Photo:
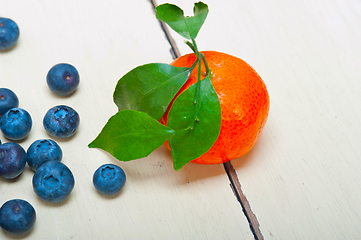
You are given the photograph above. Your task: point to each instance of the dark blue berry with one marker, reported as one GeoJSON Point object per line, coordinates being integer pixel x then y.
{"type": "Point", "coordinates": [53, 181]}
{"type": "Point", "coordinates": [109, 179]}
{"type": "Point", "coordinates": [61, 121]}
{"type": "Point", "coordinates": [12, 160]}
{"type": "Point", "coordinates": [63, 79]}
{"type": "Point", "coordinates": [16, 124]}
{"type": "Point", "coordinates": [9, 33]}
{"type": "Point", "coordinates": [42, 151]}
{"type": "Point", "coordinates": [17, 216]}
{"type": "Point", "coordinates": [8, 100]}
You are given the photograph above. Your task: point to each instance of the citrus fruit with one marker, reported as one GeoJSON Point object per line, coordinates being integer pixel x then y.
{"type": "Point", "coordinates": [244, 104]}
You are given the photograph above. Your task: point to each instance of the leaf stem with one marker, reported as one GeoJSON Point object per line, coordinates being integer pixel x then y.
{"type": "Point", "coordinates": [190, 45]}
{"type": "Point", "coordinates": [195, 47]}
{"type": "Point", "coordinates": [198, 92]}
{"type": "Point", "coordinates": [200, 57]}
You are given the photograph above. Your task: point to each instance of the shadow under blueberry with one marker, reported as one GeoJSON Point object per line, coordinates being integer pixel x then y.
{"type": "Point", "coordinates": [4, 51]}
{"type": "Point", "coordinates": [16, 141]}
{"type": "Point", "coordinates": [118, 194]}
{"type": "Point", "coordinates": [22, 236]}
{"type": "Point", "coordinates": [16, 179]}
{"type": "Point", "coordinates": [54, 95]}
{"type": "Point", "coordinates": [61, 139]}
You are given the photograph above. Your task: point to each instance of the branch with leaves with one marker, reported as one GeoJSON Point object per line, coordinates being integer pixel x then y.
{"type": "Point", "coordinates": [144, 94]}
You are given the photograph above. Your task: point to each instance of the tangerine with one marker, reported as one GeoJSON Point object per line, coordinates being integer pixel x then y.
{"type": "Point", "coordinates": [244, 104]}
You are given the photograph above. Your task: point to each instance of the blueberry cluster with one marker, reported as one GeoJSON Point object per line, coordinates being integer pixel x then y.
{"type": "Point", "coordinates": [52, 181]}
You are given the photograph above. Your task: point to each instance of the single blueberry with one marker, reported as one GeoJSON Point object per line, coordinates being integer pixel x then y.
{"type": "Point", "coordinates": [53, 181]}
{"type": "Point", "coordinates": [63, 79]}
{"type": "Point", "coordinates": [16, 124]}
{"type": "Point", "coordinates": [42, 151]}
{"type": "Point", "coordinates": [9, 33]}
{"type": "Point", "coordinates": [8, 100]}
{"type": "Point", "coordinates": [109, 179]}
{"type": "Point", "coordinates": [12, 160]}
{"type": "Point", "coordinates": [17, 216]}
{"type": "Point", "coordinates": [61, 121]}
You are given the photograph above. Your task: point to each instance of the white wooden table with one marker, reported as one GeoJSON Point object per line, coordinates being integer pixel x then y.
{"type": "Point", "coordinates": [301, 180]}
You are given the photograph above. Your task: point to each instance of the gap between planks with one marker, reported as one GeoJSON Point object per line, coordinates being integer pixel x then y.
{"type": "Point", "coordinates": [231, 173]}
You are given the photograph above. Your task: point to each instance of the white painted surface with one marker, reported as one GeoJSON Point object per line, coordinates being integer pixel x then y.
{"type": "Point", "coordinates": [302, 178]}
{"type": "Point", "coordinates": [104, 40]}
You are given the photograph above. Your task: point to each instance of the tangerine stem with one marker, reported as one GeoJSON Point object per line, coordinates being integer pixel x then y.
{"type": "Point", "coordinates": [208, 70]}
{"type": "Point", "coordinates": [195, 50]}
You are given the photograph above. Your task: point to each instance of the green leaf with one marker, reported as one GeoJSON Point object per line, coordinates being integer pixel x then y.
{"type": "Point", "coordinates": [187, 27]}
{"type": "Point", "coordinates": [130, 135]}
{"type": "Point", "coordinates": [150, 88]}
{"type": "Point", "coordinates": [189, 143]}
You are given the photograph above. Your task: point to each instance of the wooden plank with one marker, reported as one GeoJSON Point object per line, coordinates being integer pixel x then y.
{"type": "Point", "coordinates": [302, 178]}
{"type": "Point", "coordinates": [104, 40]}
{"type": "Point", "coordinates": [232, 175]}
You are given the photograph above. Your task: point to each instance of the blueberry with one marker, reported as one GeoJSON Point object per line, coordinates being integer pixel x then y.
{"type": "Point", "coordinates": [63, 79]}
{"type": "Point", "coordinates": [8, 100]}
{"type": "Point", "coordinates": [12, 160]}
{"type": "Point", "coordinates": [16, 124]}
{"type": "Point", "coordinates": [42, 151]}
{"type": "Point", "coordinates": [109, 179]}
{"type": "Point", "coordinates": [53, 181]}
{"type": "Point", "coordinates": [17, 216]}
{"type": "Point", "coordinates": [61, 121]}
{"type": "Point", "coordinates": [9, 33]}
